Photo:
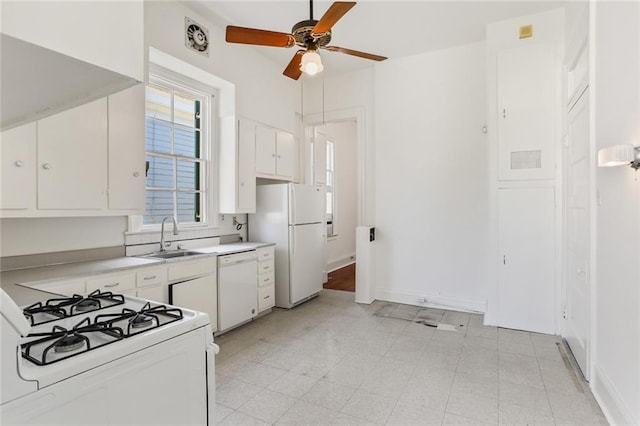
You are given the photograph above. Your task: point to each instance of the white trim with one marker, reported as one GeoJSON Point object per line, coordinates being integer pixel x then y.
{"type": "Point", "coordinates": [441, 302]}
{"type": "Point", "coordinates": [610, 401]}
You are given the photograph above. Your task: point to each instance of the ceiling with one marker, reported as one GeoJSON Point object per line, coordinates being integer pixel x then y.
{"type": "Point", "coordinates": [388, 28]}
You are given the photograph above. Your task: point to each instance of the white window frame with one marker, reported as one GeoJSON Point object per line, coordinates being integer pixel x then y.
{"type": "Point", "coordinates": [183, 84]}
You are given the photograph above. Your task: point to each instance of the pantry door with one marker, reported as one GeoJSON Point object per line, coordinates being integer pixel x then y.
{"type": "Point", "coordinates": [526, 278]}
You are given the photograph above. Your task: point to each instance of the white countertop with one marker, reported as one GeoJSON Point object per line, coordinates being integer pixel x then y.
{"type": "Point", "coordinates": [10, 280]}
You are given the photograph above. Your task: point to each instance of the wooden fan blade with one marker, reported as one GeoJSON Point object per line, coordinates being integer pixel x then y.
{"type": "Point", "coordinates": [259, 37]}
{"type": "Point", "coordinates": [356, 53]}
{"type": "Point", "coordinates": [293, 69]}
{"type": "Point", "coordinates": [332, 15]}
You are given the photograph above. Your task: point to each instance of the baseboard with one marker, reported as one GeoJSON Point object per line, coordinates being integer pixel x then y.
{"type": "Point", "coordinates": [440, 302]}
{"type": "Point", "coordinates": [341, 263]}
{"type": "Point", "coordinates": [610, 401]}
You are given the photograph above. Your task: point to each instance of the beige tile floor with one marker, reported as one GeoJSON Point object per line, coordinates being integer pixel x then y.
{"type": "Point", "coordinates": [331, 361]}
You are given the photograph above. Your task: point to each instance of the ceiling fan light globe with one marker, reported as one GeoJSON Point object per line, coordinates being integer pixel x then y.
{"type": "Point", "coordinates": [311, 63]}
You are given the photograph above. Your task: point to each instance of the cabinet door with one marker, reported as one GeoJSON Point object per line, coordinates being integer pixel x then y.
{"type": "Point", "coordinates": [126, 149]}
{"type": "Point", "coordinates": [72, 148]}
{"type": "Point", "coordinates": [200, 294]}
{"type": "Point", "coordinates": [156, 294]}
{"type": "Point", "coordinates": [285, 153]}
{"type": "Point", "coordinates": [247, 167]}
{"type": "Point", "coordinates": [18, 167]}
{"type": "Point", "coordinates": [265, 150]}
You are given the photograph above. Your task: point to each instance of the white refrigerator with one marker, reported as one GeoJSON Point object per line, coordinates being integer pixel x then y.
{"type": "Point", "coordinates": [293, 217]}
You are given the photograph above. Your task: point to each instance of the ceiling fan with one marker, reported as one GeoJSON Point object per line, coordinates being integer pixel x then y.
{"type": "Point", "coordinates": [310, 34]}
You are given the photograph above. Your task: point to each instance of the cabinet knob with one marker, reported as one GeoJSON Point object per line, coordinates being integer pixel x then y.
{"type": "Point", "coordinates": [46, 166]}
{"type": "Point", "coordinates": [136, 174]}
{"type": "Point", "coordinates": [273, 155]}
{"type": "Point", "coordinates": [19, 163]}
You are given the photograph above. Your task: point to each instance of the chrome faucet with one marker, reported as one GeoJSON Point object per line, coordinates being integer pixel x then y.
{"type": "Point", "coordinates": [175, 232]}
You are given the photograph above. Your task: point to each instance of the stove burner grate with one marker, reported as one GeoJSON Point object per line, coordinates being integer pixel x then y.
{"type": "Point", "coordinates": [135, 322]}
{"type": "Point", "coordinates": [60, 343]}
{"type": "Point", "coordinates": [63, 307]}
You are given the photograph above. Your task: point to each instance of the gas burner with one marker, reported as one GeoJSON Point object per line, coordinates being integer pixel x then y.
{"type": "Point", "coordinates": [60, 343]}
{"type": "Point", "coordinates": [134, 322]}
{"type": "Point", "coordinates": [63, 307]}
{"type": "Point", "coordinates": [70, 343]}
{"type": "Point", "coordinates": [141, 321]}
{"type": "Point", "coordinates": [86, 305]}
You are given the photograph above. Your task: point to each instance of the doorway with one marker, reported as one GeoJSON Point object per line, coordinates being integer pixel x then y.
{"type": "Point", "coordinates": [333, 158]}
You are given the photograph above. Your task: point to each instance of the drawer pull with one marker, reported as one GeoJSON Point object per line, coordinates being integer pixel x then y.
{"type": "Point", "coordinates": [150, 278]}
{"type": "Point", "coordinates": [112, 285]}
{"type": "Point", "coordinates": [265, 267]}
{"type": "Point", "coordinates": [266, 297]}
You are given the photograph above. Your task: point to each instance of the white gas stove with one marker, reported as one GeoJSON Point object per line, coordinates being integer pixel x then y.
{"type": "Point", "coordinates": [135, 361]}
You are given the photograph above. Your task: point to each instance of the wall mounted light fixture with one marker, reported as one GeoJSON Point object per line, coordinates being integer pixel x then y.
{"type": "Point", "coordinates": [619, 155]}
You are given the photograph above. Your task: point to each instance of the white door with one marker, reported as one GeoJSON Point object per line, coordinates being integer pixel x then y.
{"type": "Point", "coordinates": [526, 238]}
{"type": "Point", "coordinates": [285, 153]}
{"type": "Point", "coordinates": [306, 204]}
{"type": "Point", "coordinates": [307, 261]}
{"type": "Point", "coordinates": [576, 317]}
{"type": "Point", "coordinates": [72, 148]}
{"type": "Point", "coordinates": [126, 149]}
{"type": "Point", "coordinates": [265, 150]}
{"type": "Point", "coordinates": [18, 167]}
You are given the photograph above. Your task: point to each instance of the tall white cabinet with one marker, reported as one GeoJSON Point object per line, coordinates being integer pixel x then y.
{"type": "Point", "coordinates": [524, 83]}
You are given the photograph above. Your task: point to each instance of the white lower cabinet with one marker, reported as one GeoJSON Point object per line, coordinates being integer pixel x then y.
{"type": "Point", "coordinates": [266, 278]}
{"type": "Point", "coordinates": [116, 283]}
{"type": "Point", "coordinates": [193, 285]}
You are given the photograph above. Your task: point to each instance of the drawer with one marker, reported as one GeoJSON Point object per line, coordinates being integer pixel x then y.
{"type": "Point", "coordinates": [116, 283]}
{"type": "Point", "coordinates": [266, 297]}
{"type": "Point", "coordinates": [265, 253]}
{"type": "Point", "coordinates": [265, 267]}
{"type": "Point", "coordinates": [151, 276]}
{"type": "Point", "coordinates": [266, 279]}
{"type": "Point", "coordinates": [192, 268]}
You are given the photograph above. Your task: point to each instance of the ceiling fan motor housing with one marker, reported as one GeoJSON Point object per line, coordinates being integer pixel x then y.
{"type": "Point", "coordinates": [302, 33]}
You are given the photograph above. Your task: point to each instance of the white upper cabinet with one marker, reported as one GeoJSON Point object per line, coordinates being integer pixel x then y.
{"type": "Point", "coordinates": [275, 153]}
{"type": "Point", "coordinates": [238, 170]}
{"type": "Point", "coordinates": [86, 161]}
{"type": "Point", "coordinates": [72, 152]}
{"type": "Point", "coordinates": [18, 167]}
{"type": "Point", "coordinates": [127, 150]}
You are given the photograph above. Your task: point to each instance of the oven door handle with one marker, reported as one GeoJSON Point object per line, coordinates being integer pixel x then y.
{"type": "Point", "coordinates": [211, 352]}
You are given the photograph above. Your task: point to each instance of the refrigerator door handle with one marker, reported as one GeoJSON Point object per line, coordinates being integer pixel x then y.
{"type": "Point", "coordinates": [293, 244]}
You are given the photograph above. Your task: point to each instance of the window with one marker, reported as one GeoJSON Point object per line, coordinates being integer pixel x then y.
{"type": "Point", "coordinates": [176, 152]}
{"type": "Point", "coordinates": [330, 185]}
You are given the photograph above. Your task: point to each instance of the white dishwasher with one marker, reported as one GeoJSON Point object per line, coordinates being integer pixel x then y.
{"type": "Point", "coordinates": [237, 289]}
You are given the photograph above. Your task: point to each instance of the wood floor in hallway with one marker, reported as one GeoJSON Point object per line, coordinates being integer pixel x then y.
{"type": "Point", "coordinates": [342, 279]}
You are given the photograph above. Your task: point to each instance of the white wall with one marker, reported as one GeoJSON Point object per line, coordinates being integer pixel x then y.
{"type": "Point", "coordinates": [342, 248]}
{"type": "Point", "coordinates": [431, 181]}
{"type": "Point", "coordinates": [616, 378]}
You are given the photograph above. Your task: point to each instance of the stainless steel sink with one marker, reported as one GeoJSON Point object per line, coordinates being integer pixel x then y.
{"type": "Point", "coordinates": [172, 254]}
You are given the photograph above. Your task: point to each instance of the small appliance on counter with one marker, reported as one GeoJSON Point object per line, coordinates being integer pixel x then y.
{"type": "Point", "coordinates": [293, 216]}
{"type": "Point", "coordinates": [83, 359]}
